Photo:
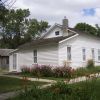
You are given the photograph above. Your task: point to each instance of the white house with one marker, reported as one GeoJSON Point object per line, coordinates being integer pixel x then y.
{"type": "Point", "coordinates": [60, 43]}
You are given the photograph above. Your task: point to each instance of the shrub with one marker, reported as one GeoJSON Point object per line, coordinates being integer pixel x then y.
{"type": "Point", "coordinates": [80, 72]}
{"type": "Point", "coordinates": [61, 88]}
{"type": "Point", "coordinates": [46, 71]}
{"type": "Point", "coordinates": [36, 71]}
{"type": "Point", "coordinates": [25, 70]}
{"type": "Point", "coordinates": [90, 64]}
{"type": "Point", "coordinates": [65, 72]}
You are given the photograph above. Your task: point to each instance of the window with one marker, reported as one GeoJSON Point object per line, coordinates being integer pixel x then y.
{"type": "Point", "coordinates": [57, 33]}
{"type": "Point", "coordinates": [84, 54]}
{"type": "Point", "coordinates": [99, 54]}
{"type": "Point", "coordinates": [93, 55]}
{"type": "Point", "coordinates": [35, 56]}
{"type": "Point", "coordinates": [68, 53]}
{"type": "Point", "coordinates": [14, 61]}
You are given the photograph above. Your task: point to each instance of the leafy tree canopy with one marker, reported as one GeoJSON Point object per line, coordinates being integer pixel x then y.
{"type": "Point", "coordinates": [86, 28]}
{"type": "Point", "coordinates": [16, 28]}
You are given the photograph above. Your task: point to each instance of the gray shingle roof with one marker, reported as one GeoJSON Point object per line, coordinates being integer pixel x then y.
{"type": "Point", "coordinates": [42, 41]}
{"type": "Point", "coordinates": [5, 52]}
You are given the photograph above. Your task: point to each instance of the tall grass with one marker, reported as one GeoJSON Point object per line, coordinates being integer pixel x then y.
{"type": "Point", "coordinates": [62, 91]}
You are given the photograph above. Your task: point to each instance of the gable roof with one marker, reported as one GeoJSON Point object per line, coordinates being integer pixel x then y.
{"type": "Point", "coordinates": [42, 41]}
{"type": "Point", "coordinates": [57, 25]}
{"type": "Point", "coordinates": [5, 52]}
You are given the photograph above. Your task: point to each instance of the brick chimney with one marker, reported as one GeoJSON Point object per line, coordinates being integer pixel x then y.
{"type": "Point", "coordinates": [65, 26]}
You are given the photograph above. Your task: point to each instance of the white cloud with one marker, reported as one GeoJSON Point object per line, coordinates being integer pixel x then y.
{"type": "Point", "coordinates": [54, 10]}
{"type": "Point", "coordinates": [97, 10]}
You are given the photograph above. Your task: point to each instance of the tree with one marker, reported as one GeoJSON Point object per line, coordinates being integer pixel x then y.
{"type": "Point", "coordinates": [14, 27]}
{"type": "Point", "coordinates": [86, 28]}
{"type": "Point", "coordinates": [37, 27]}
{"type": "Point", "coordinates": [17, 28]}
{"type": "Point", "coordinates": [98, 29]}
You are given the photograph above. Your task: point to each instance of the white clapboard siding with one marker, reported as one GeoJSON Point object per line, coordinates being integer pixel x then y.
{"type": "Point", "coordinates": [52, 33]}
{"type": "Point", "coordinates": [48, 55]}
{"type": "Point", "coordinates": [77, 43]}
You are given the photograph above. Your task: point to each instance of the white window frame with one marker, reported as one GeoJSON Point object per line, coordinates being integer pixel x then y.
{"type": "Point", "coordinates": [98, 54]}
{"type": "Point", "coordinates": [69, 53]}
{"type": "Point", "coordinates": [35, 55]}
{"type": "Point", "coordinates": [84, 54]}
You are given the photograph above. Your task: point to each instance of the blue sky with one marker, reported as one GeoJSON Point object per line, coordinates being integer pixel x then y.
{"type": "Point", "coordinates": [89, 12]}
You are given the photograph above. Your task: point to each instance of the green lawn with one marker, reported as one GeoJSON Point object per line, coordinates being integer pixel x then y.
{"type": "Point", "coordinates": [12, 84]}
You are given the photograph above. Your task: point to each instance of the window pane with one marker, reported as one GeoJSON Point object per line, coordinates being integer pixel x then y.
{"type": "Point", "coordinates": [57, 33]}
{"type": "Point", "coordinates": [35, 56]}
{"type": "Point", "coordinates": [93, 55]}
{"type": "Point", "coordinates": [99, 54]}
{"type": "Point", "coordinates": [35, 53]}
{"type": "Point", "coordinates": [84, 54]}
{"type": "Point", "coordinates": [35, 59]}
{"type": "Point", "coordinates": [68, 53]}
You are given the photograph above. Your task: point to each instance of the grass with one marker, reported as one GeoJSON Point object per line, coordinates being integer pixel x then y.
{"type": "Point", "coordinates": [92, 85]}
{"type": "Point", "coordinates": [12, 84]}
{"type": "Point", "coordinates": [89, 90]}
{"type": "Point", "coordinates": [86, 71]}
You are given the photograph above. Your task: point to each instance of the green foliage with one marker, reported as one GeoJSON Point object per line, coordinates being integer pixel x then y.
{"type": "Point", "coordinates": [37, 27]}
{"type": "Point", "coordinates": [17, 29]}
{"type": "Point", "coordinates": [88, 90]}
{"type": "Point", "coordinates": [65, 72]}
{"type": "Point", "coordinates": [80, 72]}
{"type": "Point", "coordinates": [98, 30]}
{"type": "Point", "coordinates": [48, 71]}
{"type": "Point", "coordinates": [86, 28]}
{"type": "Point", "coordinates": [61, 88]}
{"type": "Point", "coordinates": [8, 84]}
{"type": "Point", "coordinates": [90, 63]}
{"type": "Point", "coordinates": [84, 71]}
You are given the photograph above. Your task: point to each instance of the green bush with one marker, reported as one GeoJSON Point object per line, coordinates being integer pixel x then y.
{"type": "Point", "coordinates": [90, 64]}
{"type": "Point", "coordinates": [61, 88]}
{"type": "Point", "coordinates": [80, 72]}
{"type": "Point", "coordinates": [65, 72]}
{"type": "Point", "coordinates": [25, 70]}
{"type": "Point", "coordinates": [46, 71]}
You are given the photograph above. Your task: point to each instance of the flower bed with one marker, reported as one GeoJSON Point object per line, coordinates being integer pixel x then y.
{"type": "Point", "coordinates": [58, 71]}
{"type": "Point", "coordinates": [48, 71]}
